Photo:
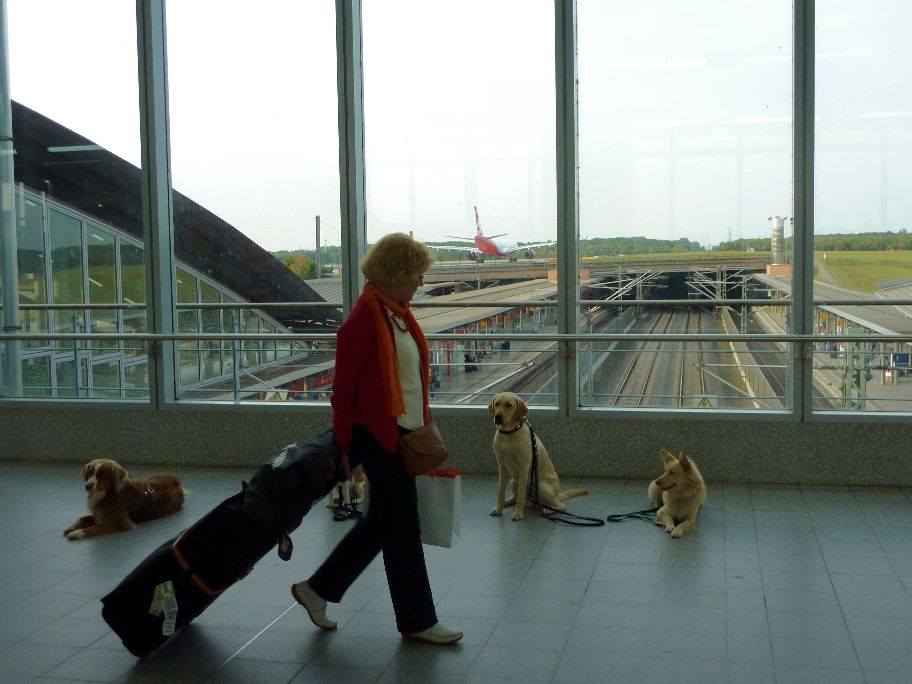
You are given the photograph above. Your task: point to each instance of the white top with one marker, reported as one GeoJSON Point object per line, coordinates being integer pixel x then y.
{"type": "Point", "coordinates": [409, 375]}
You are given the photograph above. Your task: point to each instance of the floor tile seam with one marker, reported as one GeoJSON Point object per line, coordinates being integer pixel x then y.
{"type": "Point", "coordinates": [756, 548]}
{"type": "Point", "coordinates": [872, 530]}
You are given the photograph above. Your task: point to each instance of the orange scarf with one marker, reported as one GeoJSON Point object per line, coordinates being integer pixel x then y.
{"type": "Point", "coordinates": [389, 362]}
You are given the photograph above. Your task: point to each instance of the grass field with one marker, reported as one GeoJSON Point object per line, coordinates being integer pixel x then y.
{"type": "Point", "coordinates": [862, 271]}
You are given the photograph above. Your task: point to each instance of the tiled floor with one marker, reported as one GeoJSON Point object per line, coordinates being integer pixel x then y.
{"type": "Point", "coordinates": [779, 584]}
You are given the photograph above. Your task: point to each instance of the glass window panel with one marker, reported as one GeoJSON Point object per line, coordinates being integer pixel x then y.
{"type": "Point", "coordinates": [36, 377]}
{"type": "Point", "coordinates": [251, 326]}
{"type": "Point", "coordinates": [212, 358]}
{"type": "Point", "coordinates": [77, 154]}
{"type": "Point", "coordinates": [133, 289]}
{"type": "Point", "coordinates": [68, 384]}
{"type": "Point", "coordinates": [254, 202]}
{"type": "Point", "coordinates": [188, 322]}
{"type": "Point", "coordinates": [66, 272]}
{"type": "Point", "coordinates": [477, 131]}
{"type": "Point", "coordinates": [106, 380]}
{"type": "Point", "coordinates": [684, 161]}
{"type": "Point", "coordinates": [136, 381]}
{"type": "Point", "coordinates": [862, 208]}
{"type": "Point", "coordinates": [32, 267]}
{"type": "Point", "coordinates": [102, 279]}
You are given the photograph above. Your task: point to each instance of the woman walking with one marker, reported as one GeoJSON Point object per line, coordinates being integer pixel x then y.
{"type": "Point", "coordinates": [380, 391]}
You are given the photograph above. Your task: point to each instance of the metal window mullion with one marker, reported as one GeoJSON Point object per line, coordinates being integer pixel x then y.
{"type": "Point", "coordinates": [352, 200]}
{"type": "Point", "coordinates": [803, 181]}
{"type": "Point", "coordinates": [157, 209]}
{"type": "Point", "coordinates": [11, 375]}
{"type": "Point", "coordinates": [567, 154]}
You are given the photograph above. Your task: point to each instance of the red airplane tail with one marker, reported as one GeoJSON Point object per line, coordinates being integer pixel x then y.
{"type": "Point", "coordinates": [478, 232]}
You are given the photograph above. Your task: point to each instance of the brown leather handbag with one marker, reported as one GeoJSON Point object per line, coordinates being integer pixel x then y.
{"type": "Point", "coordinates": [423, 449]}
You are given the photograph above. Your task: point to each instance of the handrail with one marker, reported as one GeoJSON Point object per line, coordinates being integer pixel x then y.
{"type": "Point", "coordinates": [522, 337]}
{"type": "Point", "coordinates": [544, 303]}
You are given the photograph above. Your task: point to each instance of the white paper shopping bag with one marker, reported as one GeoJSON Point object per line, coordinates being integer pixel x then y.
{"type": "Point", "coordinates": [439, 506]}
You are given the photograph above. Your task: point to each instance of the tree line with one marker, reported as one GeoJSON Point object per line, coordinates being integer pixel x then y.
{"type": "Point", "coordinates": [303, 262]}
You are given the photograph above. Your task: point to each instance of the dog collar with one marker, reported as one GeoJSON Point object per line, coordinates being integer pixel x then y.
{"type": "Point", "coordinates": [510, 432]}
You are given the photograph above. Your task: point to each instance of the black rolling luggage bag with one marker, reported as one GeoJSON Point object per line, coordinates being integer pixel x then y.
{"type": "Point", "coordinates": [183, 576]}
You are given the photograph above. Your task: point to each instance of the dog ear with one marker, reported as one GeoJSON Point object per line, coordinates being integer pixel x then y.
{"type": "Point", "coordinates": [666, 456]}
{"type": "Point", "coordinates": [491, 407]}
{"type": "Point", "coordinates": [521, 410]}
{"type": "Point", "coordinates": [118, 475]}
{"type": "Point", "coordinates": [685, 462]}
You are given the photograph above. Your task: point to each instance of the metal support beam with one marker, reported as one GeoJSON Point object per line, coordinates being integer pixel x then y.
{"type": "Point", "coordinates": [567, 143]}
{"type": "Point", "coordinates": [11, 377]}
{"type": "Point", "coordinates": [803, 173]}
{"type": "Point", "coordinates": [351, 147]}
{"type": "Point", "coordinates": [157, 208]}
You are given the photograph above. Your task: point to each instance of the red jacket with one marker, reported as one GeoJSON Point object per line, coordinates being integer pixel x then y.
{"type": "Point", "coordinates": [357, 393]}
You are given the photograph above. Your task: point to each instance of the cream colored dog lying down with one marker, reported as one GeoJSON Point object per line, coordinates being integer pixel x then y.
{"type": "Point", "coordinates": [513, 449]}
{"type": "Point", "coordinates": [679, 492]}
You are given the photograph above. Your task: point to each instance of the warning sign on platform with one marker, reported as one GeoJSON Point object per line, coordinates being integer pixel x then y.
{"type": "Point", "coordinates": [704, 402]}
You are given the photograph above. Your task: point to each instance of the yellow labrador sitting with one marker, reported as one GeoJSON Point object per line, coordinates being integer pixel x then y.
{"type": "Point", "coordinates": [513, 449]}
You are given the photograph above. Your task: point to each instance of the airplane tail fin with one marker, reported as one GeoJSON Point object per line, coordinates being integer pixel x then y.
{"type": "Point", "coordinates": [477, 224]}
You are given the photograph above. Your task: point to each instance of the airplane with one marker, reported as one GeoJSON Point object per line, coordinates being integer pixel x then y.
{"type": "Point", "coordinates": [493, 246]}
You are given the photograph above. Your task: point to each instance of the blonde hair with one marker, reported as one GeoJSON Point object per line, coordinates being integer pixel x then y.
{"type": "Point", "coordinates": [396, 259]}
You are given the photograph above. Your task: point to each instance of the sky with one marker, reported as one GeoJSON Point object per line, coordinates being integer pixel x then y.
{"type": "Point", "coordinates": [684, 112]}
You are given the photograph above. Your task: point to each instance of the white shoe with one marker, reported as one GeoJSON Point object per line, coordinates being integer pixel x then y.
{"type": "Point", "coordinates": [438, 634]}
{"type": "Point", "coordinates": [313, 604]}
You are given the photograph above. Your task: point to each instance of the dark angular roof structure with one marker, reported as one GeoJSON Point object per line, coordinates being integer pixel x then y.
{"type": "Point", "coordinates": [72, 169]}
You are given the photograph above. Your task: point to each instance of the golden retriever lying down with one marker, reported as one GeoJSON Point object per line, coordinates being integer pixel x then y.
{"type": "Point", "coordinates": [117, 502]}
{"type": "Point", "coordinates": [513, 449]}
{"type": "Point", "coordinates": [679, 492]}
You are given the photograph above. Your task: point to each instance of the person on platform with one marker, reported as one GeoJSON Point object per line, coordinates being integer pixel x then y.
{"type": "Point", "coordinates": [380, 391]}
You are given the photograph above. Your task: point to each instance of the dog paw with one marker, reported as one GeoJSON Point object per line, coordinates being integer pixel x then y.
{"type": "Point", "coordinates": [669, 525]}
{"type": "Point", "coordinates": [516, 516]}
{"type": "Point", "coordinates": [677, 532]}
{"type": "Point", "coordinates": [495, 511]}
{"type": "Point", "coordinates": [76, 534]}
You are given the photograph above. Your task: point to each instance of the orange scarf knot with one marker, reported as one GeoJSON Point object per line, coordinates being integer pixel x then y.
{"type": "Point", "coordinates": [386, 348]}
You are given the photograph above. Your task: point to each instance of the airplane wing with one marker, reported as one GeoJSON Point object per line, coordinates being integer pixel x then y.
{"type": "Point", "coordinates": [459, 237]}
{"type": "Point", "coordinates": [533, 245]}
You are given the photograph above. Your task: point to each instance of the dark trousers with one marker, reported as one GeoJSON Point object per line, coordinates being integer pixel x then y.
{"type": "Point", "coordinates": [391, 525]}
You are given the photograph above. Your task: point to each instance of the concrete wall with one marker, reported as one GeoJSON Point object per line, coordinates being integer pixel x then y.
{"type": "Point", "coordinates": [603, 445]}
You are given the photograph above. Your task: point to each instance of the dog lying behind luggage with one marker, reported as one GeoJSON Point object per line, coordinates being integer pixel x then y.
{"type": "Point", "coordinates": [678, 492]}
{"type": "Point", "coordinates": [513, 449]}
{"type": "Point", "coordinates": [117, 502]}
{"type": "Point", "coordinates": [352, 490]}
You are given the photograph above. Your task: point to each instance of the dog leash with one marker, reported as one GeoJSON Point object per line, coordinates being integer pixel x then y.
{"type": "Point", "coordinates": [647, 514]}
{"type": "Point", "coordinates": [557, 516]}
{"type": "Point", "coordinates": [346, 512]}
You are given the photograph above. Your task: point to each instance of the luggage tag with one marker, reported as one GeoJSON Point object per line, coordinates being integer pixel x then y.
{"type": "Point", "coordinates": [164, 601]}
{"type": "Point", "coordinates": [285, 547]}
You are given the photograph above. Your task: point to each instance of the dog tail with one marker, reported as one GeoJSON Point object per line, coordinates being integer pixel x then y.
{"type": "Point", "coordinates": [570, 493]}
